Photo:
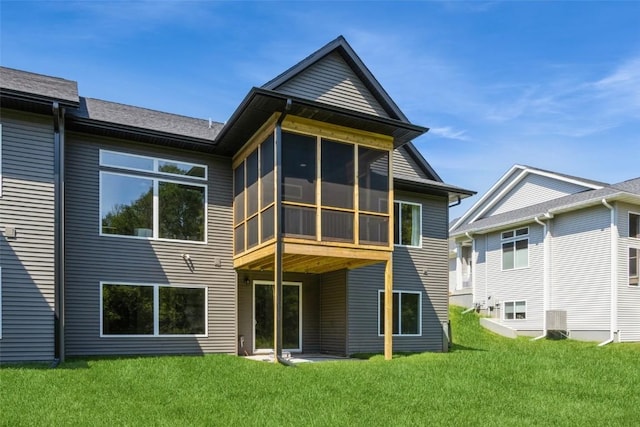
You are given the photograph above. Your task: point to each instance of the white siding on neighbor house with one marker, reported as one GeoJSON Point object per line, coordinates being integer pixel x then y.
{"type": "Point", "coordinates": [524, 284]}
{"type": "Point", "coordinates": [531, 190]}
{"type": "Point", "coordinates": [479, 272]}
{"type": "Point", "coordinates": [332, 81]}
{"type": "Point", "coordinates": [581, 275]}
{"type": "Point", "coordinates": [27, 261]}
{"type": "Point", "coordinates": [628, 296]}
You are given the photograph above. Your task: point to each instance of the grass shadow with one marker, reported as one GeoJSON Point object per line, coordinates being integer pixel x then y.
{"type": "Point", "coordinates": [460, 347]}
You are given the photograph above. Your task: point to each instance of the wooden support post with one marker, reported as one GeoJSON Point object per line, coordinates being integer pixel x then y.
{"type": "Point", "coordinates": [388, 309]}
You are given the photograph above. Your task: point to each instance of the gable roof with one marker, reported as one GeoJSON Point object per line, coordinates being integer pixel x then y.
{"type": "Point", "coordinates": [341, 47]}
{"type": "Point", "coordinates": [509, 180]}
{"type": "Point", "coordinates": [627, 191]}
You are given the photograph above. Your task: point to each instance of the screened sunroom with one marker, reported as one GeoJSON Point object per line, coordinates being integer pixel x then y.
{"type": "Point", "coordinates": [335, 191]}
{"type": "Point", "coordinates": [312, 193]}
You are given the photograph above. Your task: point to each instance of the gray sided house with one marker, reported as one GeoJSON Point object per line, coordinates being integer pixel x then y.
{"type": "Point", "coordinates": [308, 222]}
{"type": "Point", "coordinates": [543, 252]}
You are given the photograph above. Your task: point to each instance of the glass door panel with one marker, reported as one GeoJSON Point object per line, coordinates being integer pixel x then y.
{"type": "Point", "coordinates": [263, 317]}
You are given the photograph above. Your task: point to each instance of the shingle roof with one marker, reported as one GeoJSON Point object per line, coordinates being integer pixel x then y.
{"type": "Point", "coordinates": [566, 203]}
{"type": "Point", "coordinates": [39, 86]}
{"type": "Point", "coordinates": [631, 185]}
{"type": "Point", "coordinates": [141, 118]}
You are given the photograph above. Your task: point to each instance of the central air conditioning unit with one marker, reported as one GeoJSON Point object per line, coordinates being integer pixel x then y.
{"type": "Point", "coordinates": [556, 323]}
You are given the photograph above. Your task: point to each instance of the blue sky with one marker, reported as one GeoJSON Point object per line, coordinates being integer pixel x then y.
{"type": "Point", "coordinates": [554, 85]}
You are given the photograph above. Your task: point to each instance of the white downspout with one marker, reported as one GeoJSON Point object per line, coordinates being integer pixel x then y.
{"type": "Point", "coordinates": [614, 274]}
{"type": "Point", "coordinates": [545, 273]}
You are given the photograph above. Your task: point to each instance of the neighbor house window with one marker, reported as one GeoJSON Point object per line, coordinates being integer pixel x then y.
{"type": "Point", "coordinates": [152, 310]}
{"type": "Point", "coordinates": [515, 310]}
{"type": "Point", "coordinates": [515, 249]}
{"type": "Point", "coordinates": [152, 198]}
{"type": "Point", "coordinates": [634, 225]}
{"type": "Point", "coordinates": [408, 224]}
{"type": "Point", "coordinates": [407, 313]}
{"type": "Point", "coordinates": [634, 266]}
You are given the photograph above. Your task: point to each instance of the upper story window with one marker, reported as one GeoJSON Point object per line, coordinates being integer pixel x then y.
{"type": "Point", "coordinates": [634, 225]}
{"type": "Point", "coordinates": [408, 224]}
{"type": "Point", "coordinates": [147, 197]}
{"type": "Point", "coordinates": [515, 248]}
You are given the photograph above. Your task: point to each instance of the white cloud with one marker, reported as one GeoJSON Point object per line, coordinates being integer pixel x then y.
{"type": "Point", "coordinates": [449, 133]}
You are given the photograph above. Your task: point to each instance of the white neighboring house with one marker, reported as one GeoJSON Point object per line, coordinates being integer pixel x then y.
{"type": "Point", "coordinates": [543, 251]}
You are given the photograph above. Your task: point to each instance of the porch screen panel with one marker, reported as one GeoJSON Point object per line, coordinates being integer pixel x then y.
{"type": "Point", "coordinates": [337, 174]}
{"type": "Point", "coordinates": [299, 222]}
{"type": "Point", "coordinates": [252, 183]}
{"type": "Point", "coordinates": [337, 225]}
{"type": "Point", "coordinates": [373, 179]}
{"type": "Point", "coordinates": [298, 168]}
{"type": "Point", "coordinates": [374, 229]}
{"type": "Point", "coordinates": [266, 172]}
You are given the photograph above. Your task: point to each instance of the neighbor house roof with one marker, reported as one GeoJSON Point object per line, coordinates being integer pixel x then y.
{"type": "Point", "coordinates": [627, 191]}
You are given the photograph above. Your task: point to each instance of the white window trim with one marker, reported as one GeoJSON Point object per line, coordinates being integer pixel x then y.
{"type": "Point", "coordinates": [156, 310]}
{"type": "Point", "coordinates": [156, 161]}
{"type": "Point", "coordinates": [504, 304]}
{"type": "Point", "coordinates": [513, 240]}
{"type": "Point", "coordinates": [400, 292]}
{"type": "Point", "coordinates": [156, 210]}
{"type": "Point", "coordinates": [253, 312]}
{"type": "Point", "coordinates": [402, 202]}
{"type": "Point", "coordinates": [628, 223]}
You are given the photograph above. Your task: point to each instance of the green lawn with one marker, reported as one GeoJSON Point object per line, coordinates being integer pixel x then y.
{"type": "Point", "coordinates": [485, 380]}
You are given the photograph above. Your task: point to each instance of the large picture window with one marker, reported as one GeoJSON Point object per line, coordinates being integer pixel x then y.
{"type": "Point", "coordinates": [407, 313]}
{"type": "Point", "coordinates": [152, 310]}
{"type": "Point", "coordinates": [515, 249]}
{"type": "Point", "coordinates": [408, 224]}
{"type": "Point", "coordinates": [515, 310]}
{"type": "Point", "coordinates": [150, 205]}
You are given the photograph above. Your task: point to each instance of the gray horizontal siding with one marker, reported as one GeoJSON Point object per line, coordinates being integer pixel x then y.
{"type": "Point", "coordinates": [403, 164]}
{"type": "Point", "coordinates": [333, 82]}
{"type": "Point", "coordinates": [27, 203]}
{"type": "Point", "coordinates": [423, 269]}
{"type": "Point", "coordinates": [91, 258]}
{"type": "Point", "coordinates": [333, 313]}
